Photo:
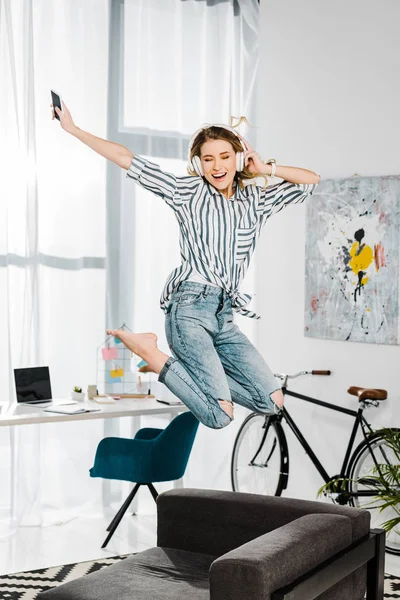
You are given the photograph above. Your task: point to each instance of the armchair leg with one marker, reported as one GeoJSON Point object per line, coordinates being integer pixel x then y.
{"type": "Point", "coordinates": [153, 490]}
{"type": "Point", "coordinates": [116, 520]}
{"type": "Point", "coordinates": [376, 568]}
{"type": "Point", "coordinates": [125, 505]}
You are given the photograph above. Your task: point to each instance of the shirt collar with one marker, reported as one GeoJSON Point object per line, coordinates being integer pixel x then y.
{"type": "Point", "coordinates": [238, 193]}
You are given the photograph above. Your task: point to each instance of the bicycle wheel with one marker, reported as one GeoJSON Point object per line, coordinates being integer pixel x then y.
{"type": "Point", "coordinates": [260, 461]}
{"type": "Point", "coordinates": [362, 467]}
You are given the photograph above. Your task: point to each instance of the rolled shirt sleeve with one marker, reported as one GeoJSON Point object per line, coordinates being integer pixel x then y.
{"type": "Point", "coordinates": [174, 190]}
{"type": "Point", "coordinates": [277, 196]}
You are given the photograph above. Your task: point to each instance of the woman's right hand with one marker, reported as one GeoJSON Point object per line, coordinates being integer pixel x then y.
{"type": "Point", "coordinates": [66, 120]}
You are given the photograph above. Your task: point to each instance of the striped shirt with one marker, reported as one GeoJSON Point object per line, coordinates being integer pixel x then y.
{"type": "Point", "coordinates": [217, 236]}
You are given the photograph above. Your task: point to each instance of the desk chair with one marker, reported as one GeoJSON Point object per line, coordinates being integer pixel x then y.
{"type": "Point", "coordinates": [152, 455]}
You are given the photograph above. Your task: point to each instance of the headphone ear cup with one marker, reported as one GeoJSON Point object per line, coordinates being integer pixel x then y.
{"type": "Point", "coordinates": [196, 162]}
{"type": "Point", "coordinates": [239, 161]}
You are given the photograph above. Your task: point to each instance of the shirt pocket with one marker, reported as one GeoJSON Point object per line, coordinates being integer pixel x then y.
{"type": "Point", "coordinates": [245, 241]}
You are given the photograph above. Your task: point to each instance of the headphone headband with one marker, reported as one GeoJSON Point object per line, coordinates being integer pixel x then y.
{"type": "Point", "coordinates": [195, 162]}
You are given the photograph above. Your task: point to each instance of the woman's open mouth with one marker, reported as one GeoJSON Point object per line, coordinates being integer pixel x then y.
{"type": "Point", "coordinates": [219, 176]}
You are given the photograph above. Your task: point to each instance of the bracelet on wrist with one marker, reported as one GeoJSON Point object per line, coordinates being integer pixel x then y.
{"type": "Point", "coordinates": [271, 162]}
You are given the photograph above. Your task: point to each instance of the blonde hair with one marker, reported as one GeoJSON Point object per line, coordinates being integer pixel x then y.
{"type": "Point", "coordinates": [215, 132]}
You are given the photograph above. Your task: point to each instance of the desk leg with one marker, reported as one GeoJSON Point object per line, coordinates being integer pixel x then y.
{"type": "Point", "coordinates": [111, 429]}
{"type": "Point", "coordinates": [13, 464]}
{"type": "Point", "coordinates": [178, 483]}
{"type": "Point", "coordinates": [135, 426]}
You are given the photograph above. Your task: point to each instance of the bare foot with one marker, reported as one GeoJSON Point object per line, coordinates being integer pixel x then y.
{"type": "Point", "coordinates": [278, 398]}
{"type": "Point", "coordinates": [138, 343]}
{"type": "Point", "coordinates": [145, 346]}
{"type": "Point", "coordinates": [226, 407]}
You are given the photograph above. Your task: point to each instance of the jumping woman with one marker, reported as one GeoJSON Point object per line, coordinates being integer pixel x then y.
{"type": "Point", "coordinates": [213, 364]}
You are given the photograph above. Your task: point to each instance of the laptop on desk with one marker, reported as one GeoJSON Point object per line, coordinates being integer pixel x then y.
{"type": "Point", "coordinates": [33, 387]}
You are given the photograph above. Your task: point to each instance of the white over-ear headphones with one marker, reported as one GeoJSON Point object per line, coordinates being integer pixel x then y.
{"type": "Point", "coordinates": [194, 164]}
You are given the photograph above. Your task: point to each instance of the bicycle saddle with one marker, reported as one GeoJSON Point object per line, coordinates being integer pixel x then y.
{"type": "Point", "coordinates": [367, 393]}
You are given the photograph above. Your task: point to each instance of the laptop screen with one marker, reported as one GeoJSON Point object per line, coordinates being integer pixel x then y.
{"type": "Point", "coordinates": [32, 384]}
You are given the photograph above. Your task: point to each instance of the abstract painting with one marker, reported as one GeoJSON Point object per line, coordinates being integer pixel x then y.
{"type": "Point", "coordinates": [352, 260]}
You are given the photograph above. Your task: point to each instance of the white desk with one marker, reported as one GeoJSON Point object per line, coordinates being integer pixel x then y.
{"type": "Point", "coordinates": [18, 414]}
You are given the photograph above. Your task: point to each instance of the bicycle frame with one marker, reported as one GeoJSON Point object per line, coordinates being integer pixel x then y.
{"type": "Point", "coordinates": [360, 421]}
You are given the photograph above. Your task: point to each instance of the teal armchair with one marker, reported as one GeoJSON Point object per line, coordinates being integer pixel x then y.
{"type": "Point", "coordinates": [153, 455]}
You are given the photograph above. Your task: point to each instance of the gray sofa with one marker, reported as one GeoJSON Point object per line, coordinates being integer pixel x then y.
{"type": "Point", "coordinates": [216, 545]}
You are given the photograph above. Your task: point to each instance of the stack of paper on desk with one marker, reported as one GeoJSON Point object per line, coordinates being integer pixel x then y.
{"type": "Point", "coordinates": [71, 410]}
{"type": "Point", "coordinates": [104, 399]}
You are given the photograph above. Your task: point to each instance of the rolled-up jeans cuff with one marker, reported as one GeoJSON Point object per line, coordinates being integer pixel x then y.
{"type": "Point", "coordinates": [163, 372]}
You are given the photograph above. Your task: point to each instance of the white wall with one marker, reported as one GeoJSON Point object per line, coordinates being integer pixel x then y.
{"type": "Point", "coordinates": [329, 101]}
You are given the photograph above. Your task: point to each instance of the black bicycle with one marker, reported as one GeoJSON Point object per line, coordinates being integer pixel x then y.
{"type": "Point", "coordinates": [260, 459]}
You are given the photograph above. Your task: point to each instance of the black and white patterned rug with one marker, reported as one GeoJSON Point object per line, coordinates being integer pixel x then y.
{"type": "Point", "coordinates": [28, 584]}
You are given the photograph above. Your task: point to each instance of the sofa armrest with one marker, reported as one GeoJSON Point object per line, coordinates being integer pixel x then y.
{"type": "Point", "coordinates": [215, 522]}
{"type": "Point", "coordinates": [275, 559]}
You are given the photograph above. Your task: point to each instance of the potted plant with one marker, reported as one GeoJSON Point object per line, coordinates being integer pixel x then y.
{"type": "Point", "coordinates": [77, 394]}
{"type": "Point", "coordinates": [383, 480]}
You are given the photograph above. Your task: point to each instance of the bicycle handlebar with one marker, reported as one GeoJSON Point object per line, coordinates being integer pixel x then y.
{"type": "Point", "coordinates": [320, 372]}
{"type": "Point", "coordinates": [285, 376]}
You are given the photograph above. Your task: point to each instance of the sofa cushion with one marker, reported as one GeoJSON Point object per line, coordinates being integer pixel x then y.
{"type": "Point", "coordinates": [156, 574]}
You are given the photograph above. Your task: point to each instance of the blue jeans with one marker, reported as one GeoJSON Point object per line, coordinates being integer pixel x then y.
{"type": "Point", "coordinates": [212, 359]}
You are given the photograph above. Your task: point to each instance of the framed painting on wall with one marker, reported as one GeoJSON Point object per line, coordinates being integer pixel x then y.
{"type": "Point", "coordinates": [352, 260]}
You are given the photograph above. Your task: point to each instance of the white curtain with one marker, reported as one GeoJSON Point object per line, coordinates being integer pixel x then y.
{"type": "Point", "coordinates": [186, 63]}
{"type": "Point", "coordinates": [52, 242]}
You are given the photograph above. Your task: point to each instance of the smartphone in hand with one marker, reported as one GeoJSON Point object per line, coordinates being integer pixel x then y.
{"type": "Point", "coordinates": [56, 101]}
